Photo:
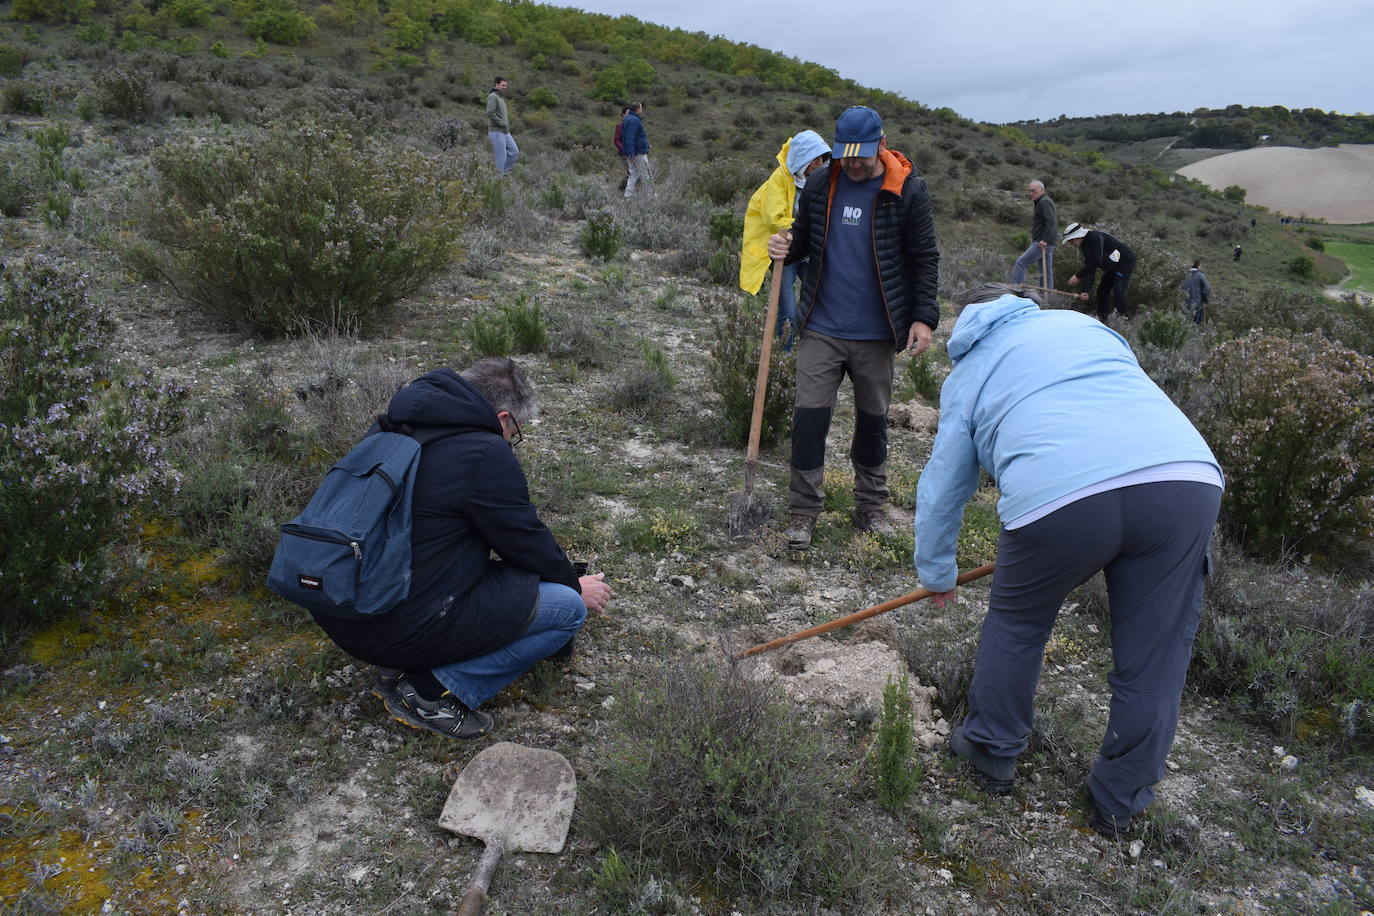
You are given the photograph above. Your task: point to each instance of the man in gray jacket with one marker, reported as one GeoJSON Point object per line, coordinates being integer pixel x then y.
{"type": "Point", "coordinates": [1198, 291]}
{"type": "Point", "coordinates": [498, 127]}
{"type": "Point", "coordinates": [1044, 233]}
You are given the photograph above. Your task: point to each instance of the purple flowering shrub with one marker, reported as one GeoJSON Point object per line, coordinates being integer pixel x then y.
{"type": "Point", "coordinates": [304, 227]}
{"type": "Point", "coordinates": [1292, 423]}
{"type": "Point", "coordinates": [79, 446]}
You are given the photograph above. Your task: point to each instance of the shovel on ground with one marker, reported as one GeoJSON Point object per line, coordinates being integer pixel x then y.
{"type": "Point", "coordinates": [510, 797]}
{"type": "Point", "coordinates": [749, 511]}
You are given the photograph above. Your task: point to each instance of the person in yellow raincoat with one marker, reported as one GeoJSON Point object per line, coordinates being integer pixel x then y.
{"type": "Point", "coordinates": [771, 209]}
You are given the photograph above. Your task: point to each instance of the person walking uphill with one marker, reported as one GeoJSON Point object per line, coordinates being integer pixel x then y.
{"type": "Point", "coordinates": [634, 145]}
{"type": "Point", "coordinates": [865, 222]}
{"type": "Point", "coordinates": [771, 209]}
{"type": "Point", "coordinates": [1113, 258]}
{"type": "Point", "coordinates": [1098, 470]}
{"type": "Point", "coordinates": [1044, 235]}
{"type": "Point", "coordinates": [1197, 290]}
{"type": "Point", "coordinates": [471, 624]}
{"type": "Point", "coordinates": [498, 127]}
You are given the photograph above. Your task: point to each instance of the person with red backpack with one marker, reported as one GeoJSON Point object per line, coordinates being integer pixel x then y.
{"type": "Point", "coordinates": [617, 139]}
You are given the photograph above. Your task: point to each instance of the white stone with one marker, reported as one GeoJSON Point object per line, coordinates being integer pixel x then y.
{"type": "Point", "coordinates": [1364, 796]}
{"type": "Point", "coordinates": [1289, 762]}
{"type": "Point", "coordinates": [1136, 847]}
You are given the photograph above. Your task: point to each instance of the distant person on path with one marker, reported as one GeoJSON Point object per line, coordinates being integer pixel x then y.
{"type": "Point", "coordinates": [1113, 258]}
{"type": "Point", "coordinates": [1198, 291]}
{"type": "Point", "coordinates": [1235, 255]}
{"type": "Point", "coordinates": [498, 127]}
{"type": "Point", "coordinates": [771, 209]}
{"type": "Point", "coordinates": [1098, 471]}
{"type": "Point", "coordinates": [471, 624]}
{"type": "Point", "coordinates": [865, 221]}
{"type": "Point", "coordinates": [634, 142]}
{"type": "Point", "coordinates": [1044, 234]}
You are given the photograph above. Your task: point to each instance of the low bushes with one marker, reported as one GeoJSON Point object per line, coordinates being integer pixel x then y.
{"type": "Point", "coordinates": [714, 776]}
{"type": "Point", "coordinates": [1292, 424]}
{"type": "Point", "coordinates": [736, 347]}
{"type": "Point", "coordinates": [80, 448]}
{"type": "Point", "coordinates": [306, 226]}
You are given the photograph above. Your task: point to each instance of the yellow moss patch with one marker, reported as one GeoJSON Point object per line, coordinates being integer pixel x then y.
{"type": "Point", "coordinates": [77, 876]}
{"type": "Point", "coordinates": [64, 641]}
{"type": "Point", "coordinates": [202, 569]}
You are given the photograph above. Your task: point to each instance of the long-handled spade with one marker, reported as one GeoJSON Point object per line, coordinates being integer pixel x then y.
{"type": "Point", "coordinates": [510, 797]}
{"type": "Point", "coordinates": [749, 511]}
{"type": "Point", "coordinates": [857, 616]}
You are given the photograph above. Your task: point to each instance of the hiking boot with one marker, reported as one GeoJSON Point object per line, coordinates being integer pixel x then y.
{"type": "Point", "coordinates": [996, 775]}
{"type": "Point", "coordinates": [385, 680]}
{"type": "Point", "coordinates": [444, 716]}
{"type": "Point", "coordinates": [875, 521]}
{"type": "Point", "coordinates": [1111, 826]}
{"type": "Point", "coordinates": [799, 531]}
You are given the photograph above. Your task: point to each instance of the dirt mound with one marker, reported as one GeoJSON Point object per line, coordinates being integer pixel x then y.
{"type": "Point", "coordinates": [1333, 183]}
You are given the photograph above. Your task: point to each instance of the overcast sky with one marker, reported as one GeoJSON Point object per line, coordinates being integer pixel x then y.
{"type": "Point", "coordinates": [997, 61]}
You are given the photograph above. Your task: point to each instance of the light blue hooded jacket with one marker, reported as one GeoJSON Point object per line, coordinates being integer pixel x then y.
{"type": "Point", "coordinates": [1048, 402]}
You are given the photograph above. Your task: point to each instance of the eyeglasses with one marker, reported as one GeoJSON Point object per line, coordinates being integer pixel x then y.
{"type": "Point", "coordinates": [519, 436]}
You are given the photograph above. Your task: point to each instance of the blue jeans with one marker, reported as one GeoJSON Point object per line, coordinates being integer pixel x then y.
{"type": "Point", "coordinates": [504, 149]}
{"type": "Point", "coordinates": [787, 305]}
{"type": "Point", "coordinates": [557, 618]}
{"type": "Point", "coordinates": [1031, 258]}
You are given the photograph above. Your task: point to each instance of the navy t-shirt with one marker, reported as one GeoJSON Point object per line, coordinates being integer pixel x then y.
{"type": "Point", "coordinates": [849, 303]}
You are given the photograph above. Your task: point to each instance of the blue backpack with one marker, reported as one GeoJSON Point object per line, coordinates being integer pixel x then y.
{"type": "Point", "coordinates": [348, 554]}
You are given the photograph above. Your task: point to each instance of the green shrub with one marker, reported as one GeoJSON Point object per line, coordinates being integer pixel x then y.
{"type": "Point", "coordinates": [1316, 244]}
{"type": "Point", "coordinates": [21, 177]}
{"type": "Point", "coordinates": [925, 375]}
{"type": "Point", "coordinates": [529, 330]}
{"type": "Point", "coordinates": [601, 237]}
{"type": "Point", "coordinates": [189, 13]}
{"type": "Point", "coordinates": [80, 448]}
{"type": "Point", "coordinates": [645, 387]}
{"type": "Point", "coordinates": [1290, 648]}
{"type": "Point", "coordinates": [1302, 266]}
{"type": "Point", "coordinates": [304, 225]}
{"type": "Point", "coordinates": [20, 97]}
{"type": "Point", "coordinates": [1294, 312]}
{"type": "Point", "coordinates": [1165, 329]}
{"type": "Point", "coordinates": [278, 21]}
{"type": "Point", "coordinates": [713, 775]}
{"type": "Point", "coordinates": [542, 97]}
{"type": "Point", "coordinates": [126, 94]}
{"type": "Point", "coordinates": [725, 227]}
{"type": "Point", "coordinates": [894, 747]}
{"type": "Point", "coordinates": [54, 11]}
{"type": "Point", "coordinates": [722, 181]}
{"type": "Point", "coordinates": [490, 335]}
{"type": "Point", "coordinates": [723, 267]}
{"type": "Point", "coordinates": [1234, 192]}
{"type": "Point", "coordinates": [736, 347]}
{"type": "Point", "coordinates": [11, 61]}
{"type": "Point", "coordinates": [1293, 427]}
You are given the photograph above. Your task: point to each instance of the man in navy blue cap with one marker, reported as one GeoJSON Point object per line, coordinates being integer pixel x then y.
{"type": "Point", "coordinates": [865, 222]}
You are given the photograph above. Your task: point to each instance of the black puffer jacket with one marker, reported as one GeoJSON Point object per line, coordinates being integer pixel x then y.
{"type": "Point", "coordinates": [470, 501]}
{"type": "Point", "coordinates": [904, 243]}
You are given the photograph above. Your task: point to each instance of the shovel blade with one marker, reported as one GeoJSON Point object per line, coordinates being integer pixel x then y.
{"type": "Point", "coordinates": [749, 512]}
{"type": "Point", "coordinates": [519, 798]}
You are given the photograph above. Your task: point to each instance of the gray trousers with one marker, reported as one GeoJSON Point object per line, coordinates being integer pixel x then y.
{"type": "Point", "coordinates": [1152, 542]}
{"type": "Point", "coordinates": [822, 363]}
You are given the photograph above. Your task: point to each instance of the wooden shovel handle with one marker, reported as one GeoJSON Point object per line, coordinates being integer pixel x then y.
{"type": "Point", "coordinates": [857, 616]}
{"type": "Point", "coordinates": [751, 457]}
{"type": "Point", "coordinates": [476, 896]}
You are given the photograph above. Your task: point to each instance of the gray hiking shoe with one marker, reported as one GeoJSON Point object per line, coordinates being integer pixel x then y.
{"type": "Point", "coordinates": [799, 531]}
{"type": "Point", "coordinates": [444, 716]}
{"type": "Point", "coordinates": [875, 521]}
{"type": "Point", "coordinates": [996, 775]}
{"type": "Point", "coordinates": [1111, 826]}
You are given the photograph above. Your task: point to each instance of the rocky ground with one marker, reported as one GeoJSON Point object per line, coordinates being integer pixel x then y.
{"type": "Point", "coordinates": [202, 749]}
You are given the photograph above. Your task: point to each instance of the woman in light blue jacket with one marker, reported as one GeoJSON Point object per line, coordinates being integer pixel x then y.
{"type": "Point", "coordinates": [1097, 470]}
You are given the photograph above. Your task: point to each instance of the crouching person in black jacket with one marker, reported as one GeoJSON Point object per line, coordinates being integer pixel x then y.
{"type": "Point", "coordinates": [471, 624]}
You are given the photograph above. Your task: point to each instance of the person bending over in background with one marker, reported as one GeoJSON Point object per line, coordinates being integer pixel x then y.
{"type": "Point", "coordinates": [1113, 258]}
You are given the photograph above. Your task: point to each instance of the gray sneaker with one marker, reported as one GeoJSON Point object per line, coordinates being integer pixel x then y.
{"type": "Point", "coordinates": [799, 531]}
{"type": "Point", "coordinates": [875, 521]}
{"type": "Point", "coordinates": [444, 716]}
{"type": "Point", "coordinates": [996, 775]}
{"type": "Point", "coordinates": [385, 681]}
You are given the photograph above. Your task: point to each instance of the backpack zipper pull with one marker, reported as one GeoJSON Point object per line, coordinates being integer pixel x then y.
{"type": "Point", "coordinates": [357, 551]}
